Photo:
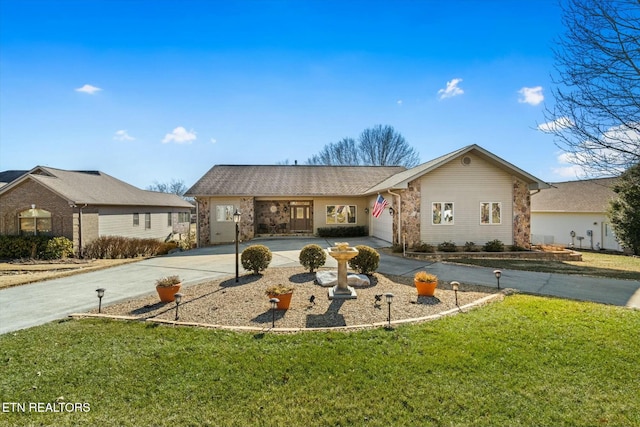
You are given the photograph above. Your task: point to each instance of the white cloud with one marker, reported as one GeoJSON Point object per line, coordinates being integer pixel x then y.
{"type": "Point", "coordinates": [180, 136]}
{"type": "Point", "coordinates": [88, 89]}
{"type": "Point", "coordinates": [557, 124]}
{"type": "Point", "coordinates": [451, 90]}
{"type": "Point", "coordinates": [531, 95]}
{"type": "Point", "coordinates": [213, 140]}
{"type": "Point", "coordinates": [399, 102]}
{"type": "Point", "coordinates": [567, 167]}
{"type": "Point", "coordinates": [122, 135]}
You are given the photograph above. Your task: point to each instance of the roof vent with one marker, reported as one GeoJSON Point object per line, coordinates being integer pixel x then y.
{"type": "Point", "coordinates": [466, 161]}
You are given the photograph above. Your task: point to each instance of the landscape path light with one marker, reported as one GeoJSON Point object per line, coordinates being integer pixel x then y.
{"type": "Point", "coordinates": [455, 286]}
{"type": "Point", "coordinates": [236, 220]}
{"type": "Point", "coordinates": [178, 299]}
{"type": "Point", "coordinates": [100, 292]}
{"type": "Point", "coordinates": [274, 303]}
{"type": "Point", "coordinates": [498, 273]}
{"type": "Point", "coordinates": [389, 298]}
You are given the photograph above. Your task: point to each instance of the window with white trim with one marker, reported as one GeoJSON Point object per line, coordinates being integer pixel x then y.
{"type": "Point", "coordinates": [490, 213]}
{"type": "Point", "coordinates": [147, 220]}
{"type": "Point", "coordinates": [224, 213]}
{"type": "Point", "coordinates": [442, 213]}
{"type": "Point", "coordinates": [136, 219]}
{"type": "Point", "coordinates": [35, 222]}
{"type": "Point", "coordinates": [341, 214]}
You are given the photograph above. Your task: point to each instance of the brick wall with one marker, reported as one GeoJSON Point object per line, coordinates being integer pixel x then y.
{"type": "Point", "coordinates": [30, 192]}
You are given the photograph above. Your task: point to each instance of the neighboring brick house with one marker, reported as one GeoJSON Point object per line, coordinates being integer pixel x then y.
{"type": "Point", "coordinates": [467, 195]}
{"type": "Point", "coordinates": [574, 214]}
{"type": "Point", "coordinates": [83, 205]}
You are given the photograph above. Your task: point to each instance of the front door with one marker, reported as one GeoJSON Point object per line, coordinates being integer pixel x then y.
{"type": "Point", "coordinates": [301, 217]}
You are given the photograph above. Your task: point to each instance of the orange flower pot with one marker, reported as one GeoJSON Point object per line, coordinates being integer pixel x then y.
{"type": "Point", "coordinates": [166, 293]}
{"type": "Point", "coordinates": [426, 289]}
{"type": "Point", "coordinates": [285, 300]}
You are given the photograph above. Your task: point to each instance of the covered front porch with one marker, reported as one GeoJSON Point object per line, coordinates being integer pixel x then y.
{"type": "Point", "coordinates": [283, 217]}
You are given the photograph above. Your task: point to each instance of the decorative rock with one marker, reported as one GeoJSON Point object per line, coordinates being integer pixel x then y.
{"type": "Point", "coordinates": [330, 278]}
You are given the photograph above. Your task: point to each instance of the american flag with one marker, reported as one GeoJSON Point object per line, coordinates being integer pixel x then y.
{"type": "Point", "coordinates": [379, 206]}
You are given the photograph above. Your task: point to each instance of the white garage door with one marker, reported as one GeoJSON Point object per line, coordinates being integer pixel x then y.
{"type": "Point", "coordinates": [382, 227]}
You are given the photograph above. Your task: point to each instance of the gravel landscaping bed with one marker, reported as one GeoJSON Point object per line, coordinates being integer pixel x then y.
{"type": "Point", "coordinates": [225, 302]}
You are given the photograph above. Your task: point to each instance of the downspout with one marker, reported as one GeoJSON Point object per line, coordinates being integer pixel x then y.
{"type": "Point", "coordinates": [197, 222]}
{"type": "Point", "coordinates": [80, 231]}
{"type": "Point", "coordinates": [399, 220]}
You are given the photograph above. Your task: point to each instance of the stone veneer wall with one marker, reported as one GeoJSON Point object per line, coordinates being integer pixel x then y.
{"type": "Point", "coordinates": [410, 211]}
{"type": "Point", "coordinates": [521, 214]}
{"type": "Point", "coordinates": [264, 215]}
{"type": "Point", "coordinates": [247, 229]}
{"type": "Point", "coordinates": [204, 226]}
{"type": "Point", "coordinates": [246, 208]}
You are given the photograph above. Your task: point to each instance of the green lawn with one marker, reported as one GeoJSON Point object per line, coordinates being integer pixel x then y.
{"type": "Point", "coordinates": [524, 361]}
{"type": "Point", "coordinates": [592, 264]}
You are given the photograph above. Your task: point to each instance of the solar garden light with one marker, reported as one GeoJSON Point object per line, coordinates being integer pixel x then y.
{"type": "Point", "coordinates": [389, 298]}
{"type": "Point", "coordinates": [100, 292]}
{"type": "Point", "coordinates": [498, 273]}
{"type": "Point", "coordinates": [455, 286]}
{"type": "Point", "coordinates": [236, 220]}
{"type": "Point", "coordinates": [178, 299]}
{"type": "Point", "coordinates": [274, 303]}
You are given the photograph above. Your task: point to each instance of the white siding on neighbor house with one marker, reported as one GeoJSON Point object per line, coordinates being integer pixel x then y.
{"type": "Point", "coordinates": [381, 227]}
{"type": "Point", "coordinates": [118, 221]}
{"type": "Point", "coordinates": [556, 227]}
{"type": "Point", "coordinates": [467, 186]}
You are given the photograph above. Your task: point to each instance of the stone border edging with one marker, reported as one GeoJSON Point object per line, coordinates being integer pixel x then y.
{"type": "Point", "coordinates": [450, 312]}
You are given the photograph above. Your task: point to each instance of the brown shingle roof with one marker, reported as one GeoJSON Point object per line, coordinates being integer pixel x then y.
{"type": "Point", "coordinates": [97, 188]}
{"type": "Point", "coordinates": [590, 195]}
{"type": "Point", "coordinates": [289, 180]}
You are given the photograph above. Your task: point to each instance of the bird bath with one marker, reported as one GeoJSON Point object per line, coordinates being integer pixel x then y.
{"type": "Point", "coordinates": [342, 252]}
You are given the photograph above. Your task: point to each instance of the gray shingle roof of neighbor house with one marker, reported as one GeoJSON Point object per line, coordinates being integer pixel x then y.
{"type": "Point", "coordinates": [591, 195]}
{"type": "Point", "coordinates": [96, 188]}
{"type": "Point", "coordinates": [7, 177]}
{"type": "Point", "coordinates": [290, 180]}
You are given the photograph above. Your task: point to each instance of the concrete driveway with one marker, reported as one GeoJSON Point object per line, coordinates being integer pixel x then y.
{"type": "Point", "coordinates": [37, 303]}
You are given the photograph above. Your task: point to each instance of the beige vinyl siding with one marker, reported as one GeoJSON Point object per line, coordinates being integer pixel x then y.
{"type": "Point", "coordinates": [118, 221]}
{"type": "Point", "coordinates": [320, 211]}
{"type": "Point", "coordinates": [467, 186]}
{"type": "Point", "coordinates": [222, 231]}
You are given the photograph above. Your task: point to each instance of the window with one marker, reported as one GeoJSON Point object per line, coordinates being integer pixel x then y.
{"type": "Point", "coordinates": [169, 219]}
{"type": "Point", "coordinates": [147, 220]}
{"type": "Point", "coordinates": [224, 213]}
{"type": "Point", "coordinates": [442, 213]}
{"type": "Point", "coordinates": [490, 213]}
{"type": "Point", "coordinates": [35, 222]}
{"type": "Point", "coordinates": [136, 219]}
{"type": "Point", "coordinates": [341, 214]}
{"type": "Point", "coordinates": [184, 217]}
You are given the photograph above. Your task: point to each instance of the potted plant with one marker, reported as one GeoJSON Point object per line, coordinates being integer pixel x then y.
{"type": "Point", "coordinates": [167, 287]}
{"type": "Point", "coordinates": [425, 283]}
{"type": "Point", "coordinates": [283, 293]}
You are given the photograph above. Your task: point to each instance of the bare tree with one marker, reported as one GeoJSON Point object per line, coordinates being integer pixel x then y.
{"type": "Point", "coordinates": [341, 153]}
{"type": "Point", "coordinates": [596, 116]}
{"type": "Point", "coordinates": [174, 187]}
{"type": "Point", "coordinates": [383, 146]}
{"type": "Point", "coordinates": [377, 146]}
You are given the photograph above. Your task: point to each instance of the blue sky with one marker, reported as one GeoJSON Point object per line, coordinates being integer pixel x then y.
{"type": "Point", "coordinates": [158, 90]}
